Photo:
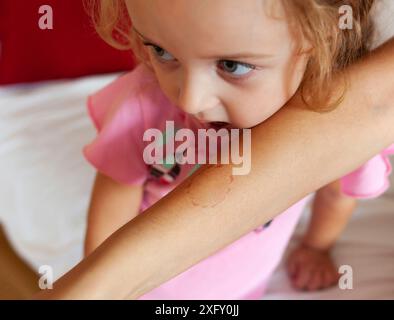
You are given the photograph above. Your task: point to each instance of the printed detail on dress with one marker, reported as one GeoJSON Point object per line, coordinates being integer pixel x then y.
{"type": "Point", "coordinates": [263, 227]}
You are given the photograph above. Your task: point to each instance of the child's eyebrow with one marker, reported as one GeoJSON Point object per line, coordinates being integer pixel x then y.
{"type": "Point", "coordinates": [142, 36]}
{"type": "Point", "coordinates": [243, 55]}
{"type": "Point", "coordinates": [146, 40]}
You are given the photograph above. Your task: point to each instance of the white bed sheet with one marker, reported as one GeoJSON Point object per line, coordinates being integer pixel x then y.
{"type": "Point", "coordinates": [45, 181]}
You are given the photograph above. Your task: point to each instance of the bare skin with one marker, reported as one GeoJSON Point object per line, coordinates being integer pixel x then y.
{"type": "Point", "coordinates": [359, 129]}
{"type": "Point", "coordinates": [310, 266]}
{"type": "Point", "coordinates": [112, 205]}
{"type": "Point", "coordinates": [222, 187]}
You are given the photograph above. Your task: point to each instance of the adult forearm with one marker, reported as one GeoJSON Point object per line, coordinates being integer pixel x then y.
{"type": "Point", "coordinates": [293, 153]}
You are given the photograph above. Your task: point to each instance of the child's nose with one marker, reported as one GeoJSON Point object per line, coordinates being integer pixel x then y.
{"type": "Point", "coordinates": [196, 96]}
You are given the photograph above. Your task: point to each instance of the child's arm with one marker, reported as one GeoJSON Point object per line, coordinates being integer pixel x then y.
{"type": "Point", "coordinates": [291, 158]}
{"type": "Point", "coordinates": [331, 212]}
{"type": "Point", "coordinates": [310, 265]}
{"type": "Point", "coordinates": [112, 205]}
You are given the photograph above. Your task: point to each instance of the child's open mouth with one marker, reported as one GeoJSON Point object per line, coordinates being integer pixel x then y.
{"type": "Point", "coordinates": [219, 125]}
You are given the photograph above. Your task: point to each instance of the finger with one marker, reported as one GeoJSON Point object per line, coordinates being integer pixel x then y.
{"type": "Point", "coordinates": [292, 267]}
{"type": "Point", "coordinates": [330, 278]}
{"type": "Point", "coordinates": [302, 278]}
{"type": "Point", "coordinates": [315, 281]}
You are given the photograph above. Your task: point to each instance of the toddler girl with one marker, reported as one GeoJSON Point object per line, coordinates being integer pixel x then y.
{"type": "Point", "coordinates": [212, 64]}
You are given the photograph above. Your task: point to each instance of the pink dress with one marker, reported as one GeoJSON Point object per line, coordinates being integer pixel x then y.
{"type": "Point", "coordinates": [121, 113]}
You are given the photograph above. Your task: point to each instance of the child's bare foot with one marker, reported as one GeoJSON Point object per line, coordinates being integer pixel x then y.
{"type": "Point", "coordinates": [311, 269]}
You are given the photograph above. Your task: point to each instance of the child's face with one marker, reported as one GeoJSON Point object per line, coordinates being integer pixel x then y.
{"type": "Point", "coordinates": [221, 60]}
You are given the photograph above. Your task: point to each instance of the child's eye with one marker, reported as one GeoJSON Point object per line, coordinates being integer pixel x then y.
{"type": "Point", "coordinates": [162, 54]}
{"type": "Point", "coordinates": [236, 68]}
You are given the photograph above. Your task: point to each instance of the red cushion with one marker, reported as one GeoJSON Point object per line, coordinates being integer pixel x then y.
{"type": "Point", "coordinates": [71, 49]}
